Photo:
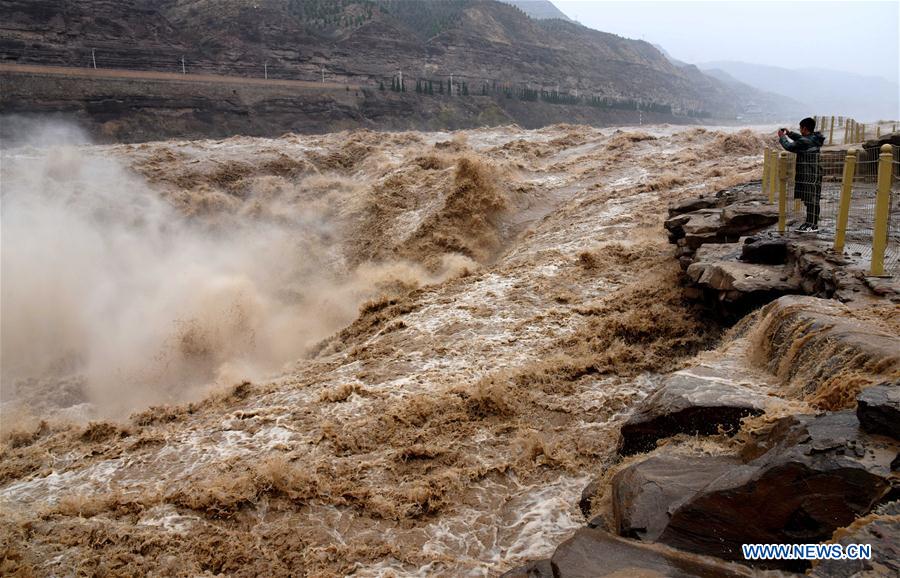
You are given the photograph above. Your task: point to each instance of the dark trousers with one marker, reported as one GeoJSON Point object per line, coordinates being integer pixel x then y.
{"type": "Point", "coordinates": [808, 185]}
{"type": "Point", "coordinates": [812, 200]}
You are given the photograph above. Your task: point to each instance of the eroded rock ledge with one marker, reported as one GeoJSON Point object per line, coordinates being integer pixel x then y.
{"type": "Point", "coordinates": [800, 407]}
{"type": "Point", "coordinates": [792, 457]}
{"type": "Point", "coordinates": [815, 474]}
{"type": "Point", "coordinates": [734, 260]}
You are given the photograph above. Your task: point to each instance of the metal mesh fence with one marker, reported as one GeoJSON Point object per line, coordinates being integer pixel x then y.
{"type": "Point", "coordinates": [814, 185]}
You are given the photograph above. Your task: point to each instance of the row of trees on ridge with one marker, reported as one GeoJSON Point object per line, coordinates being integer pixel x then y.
{"type": "Point", "coordinates": [461, 88]}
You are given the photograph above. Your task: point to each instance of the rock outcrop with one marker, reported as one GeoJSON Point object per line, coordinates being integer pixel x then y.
{"type": "Point", "coordinates": [815, 475]}
{"type": "Point", "coordinates": [792, 476]}
{"type": "Point", "coordinates": [735, 285]}
{"type": "Point", "coordinates": [880, 531]}
{"type": "Point", "coordinates": [717, 224]}
{"type": "Point", "coordinates": [821, 352]}
{"type": "Point", "coordinates": [765, 249]}
{"type": "Point", "coordinates": [644, 494]}
{"type": "Point", "coordinates": [803, 478]}
{"type": "Point", "coordinates": [593, 553]}
{"type": "Point", "coordinates": [535, 569]}
{"type": "Point", "coordinates": [737, 263]}
{"type": "Point", "coordinates": [694, 402]}
{"type": "Point", "coordinates": [878, 409]}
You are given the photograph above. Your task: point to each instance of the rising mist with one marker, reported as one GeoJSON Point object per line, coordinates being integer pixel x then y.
{"type": "Point", "coordinates": [108, 285]}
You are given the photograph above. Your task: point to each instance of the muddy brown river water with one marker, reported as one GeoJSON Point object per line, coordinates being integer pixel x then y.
{"type": "Point", "coordinates": [440, 334]}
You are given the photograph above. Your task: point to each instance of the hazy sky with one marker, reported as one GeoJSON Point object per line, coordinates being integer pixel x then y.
{"type": "Point", "coordinates": [859, 37]}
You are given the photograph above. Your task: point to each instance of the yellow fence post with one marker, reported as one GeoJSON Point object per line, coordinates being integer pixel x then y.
{"type": "Point", "coordinates": [831, 131]}
{"type": "Point", "coordinates": [840, 232]}
{"type": "Point", "coordinates": [782, 190]}
{"type": "Point", "coordinates": [791, 171]}
{"type": "Point", "coordinates": [882, 206]}
{"type": "Point", "coordinates": [766, 168]}
{"type": "Point", "coordinates": [773, 175]}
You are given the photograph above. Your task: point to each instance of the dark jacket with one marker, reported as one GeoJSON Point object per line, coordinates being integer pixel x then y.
{"type": "Point", "coordinates": [808, 173]}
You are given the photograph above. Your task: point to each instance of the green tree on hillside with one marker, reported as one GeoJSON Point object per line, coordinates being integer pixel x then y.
{"type": "Point", "coordinates": [425, 18]}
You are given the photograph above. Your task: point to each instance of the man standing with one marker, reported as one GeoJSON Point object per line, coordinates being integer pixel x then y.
{"type": "Point", "coordinates": [808, 173]}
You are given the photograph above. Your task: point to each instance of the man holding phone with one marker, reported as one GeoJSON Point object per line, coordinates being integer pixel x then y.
{"type": "Point", "coordinates": [808, 173]}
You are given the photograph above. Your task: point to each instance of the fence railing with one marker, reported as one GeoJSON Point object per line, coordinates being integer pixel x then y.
{"type": "Point", "coordinates": [850, 197]}
{"type": "Point", "coordinates": [846, 130]}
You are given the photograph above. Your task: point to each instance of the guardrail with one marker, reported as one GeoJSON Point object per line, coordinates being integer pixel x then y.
{"type": "Point", "coordinates": [852, 195]}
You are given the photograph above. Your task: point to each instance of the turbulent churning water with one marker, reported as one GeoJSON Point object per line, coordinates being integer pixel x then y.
{"type": "Point", "coordinates": [442, 331]}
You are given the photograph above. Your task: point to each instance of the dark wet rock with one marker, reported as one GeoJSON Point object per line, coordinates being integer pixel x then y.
{"type": "Point", "coordinates": [884, 287]}
{"type": "Point", "coordinates": [717, 224]}
{"type": "Point", "coordinates": [736, 280]}
{"type": "Point", "coordinates": [776, 265]}
{"type": "Point", "coordinates": [814, 475]}
{"type": "Point", "coordinates": [593, 553]}
{"type": "Point", "coordinates": [880, 530]}
{"type": "Point", "coordinates": [691, 205]}
{"type": "Point", "coordinates": [731, 278]}
{"type": "Point", "coordinates": [738, 283]}
{"type": "Point", "coordinates": [534, 569]}
{"type": "Point", "coordinates": [587, 497]}
{"type": "Point", "coordinates": [878, 409]}
{"type": "Point", "coordinates": [599, 523]}
{"type": "Point", "coordinates": [715, 252]}
{"type": "Point", "coordinates": [765, 249]}
{"type": "Point", "coordinates": [695, 404]}
{"type": "Point", "coordinates": [675, 226]}
{"type": "Point", "coordinates": [644, 493]}
{"type": "Point", "coordinates": [694, 229]}
{"type": "Point", "coordinates": [740, 218]}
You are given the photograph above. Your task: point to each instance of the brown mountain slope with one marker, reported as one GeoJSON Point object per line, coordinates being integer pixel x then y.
{"type": "Point", "coordinates": [477, 41]}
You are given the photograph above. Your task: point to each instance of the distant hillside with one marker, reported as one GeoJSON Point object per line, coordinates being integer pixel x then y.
{"type": "Point", "coordinates": [539, 9]}
{"type": "Point", "coordinates": [760, 100]}
{"type": "Point", "coordinates": [822, 91]}
{"type": "Point", "coordinates": [483, 43]}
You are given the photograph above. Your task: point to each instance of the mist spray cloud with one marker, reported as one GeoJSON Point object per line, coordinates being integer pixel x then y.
{"type": "Point", "coordinates": [104, 279]}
